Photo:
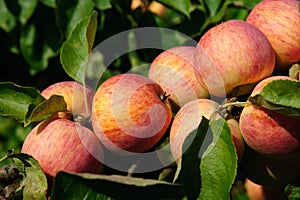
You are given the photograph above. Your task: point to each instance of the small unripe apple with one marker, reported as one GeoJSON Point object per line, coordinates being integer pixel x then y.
{"type": "Point", "coordinates": [280, 22]}
{"type": "Point", "coordinates": [268, 132]}
{"type": "Point", "coordinates": [232, 54]}
{"type": "Point", "coordinates": [63, 145]}
{"type": "Point", "coordinates": [173, 70]}
{"type": "Point", "coordinates": [78, 101]}
{"type": "Point", "coordinates": [129, 113]}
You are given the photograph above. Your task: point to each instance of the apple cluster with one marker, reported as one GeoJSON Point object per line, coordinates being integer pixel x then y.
{"type": "Point", "coordinates": [132, 113]}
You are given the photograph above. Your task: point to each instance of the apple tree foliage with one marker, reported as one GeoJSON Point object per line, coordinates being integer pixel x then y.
{"type": "Point", "coordinates": [46, 41]}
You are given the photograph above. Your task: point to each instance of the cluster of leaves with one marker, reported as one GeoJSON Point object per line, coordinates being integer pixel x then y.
{"type": "Point", "coordinates": [32, 33]}
{"type": "Point", "coordinates": [50, 32]}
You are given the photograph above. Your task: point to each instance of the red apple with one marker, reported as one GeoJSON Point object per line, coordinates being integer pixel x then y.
{"type": "Point", "coordinates": [269, 132]}
{"type": "Point", "coordinates": [187, 120]}
{"type": "Point", "coordinates": [280, 22]}
{"type": "Point", "coordinates": [173, 70]}
{"type": "Point", "coordinates": [129, 113]}
{"type": "Point", "coordinates": [259, 192]}
{"type": "Point", "coordinates": [236, 137]}
{"type": "Point", "coordinates": [73, 93]}
{"type": "Point", "coordinates": [63, 145]}
{"type": "Point", "coordinates": [232, 54]}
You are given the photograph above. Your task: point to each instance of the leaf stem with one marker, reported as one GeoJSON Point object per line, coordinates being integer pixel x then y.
{"type": "Point", "coordinates": [4, 158]}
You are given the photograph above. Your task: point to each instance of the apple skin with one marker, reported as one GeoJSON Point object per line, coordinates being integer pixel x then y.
{"type": "Point", "coordinates": [268, 171]}
{"type": "Point", "coordinates": [280, 22]}
{"type": "Point", "coordinates": [129, 113]}
{"type": "Point", "coordinates": [188, 119]}
{"type": "Point", "coordinates": [60, 145]}
{"type": "Point", "coordinates": [232, 54]}
{"type": "Point", "coordinates": [267, 132]}
{"type": "Point", "coordinates": [258, 192]}
{"type": "Point", "coordinates": [236, 137]}
{"type": "Point", "coordinates": [73, 93]}
{"type": "Point", "coordinates": [173, 70]}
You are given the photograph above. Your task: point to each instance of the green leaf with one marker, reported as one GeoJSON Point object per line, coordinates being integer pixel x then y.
{"type": "Point", "coordinates": [219, 163]}
{"type": "Point", "coordinates": [49, 3]}
{"type": "Point", "coordinates": [75, 50]}
{"type": "Point", "coordinates": [91, 30]}
{"type": "Point", "coordinates": [26, 104]}
{"type": "Point", "coordinates": [250, 4]}
{"type": "Point", "coordinates": [219, 15]}
{"type": "Point", "coordinates": [44, 110]}
{"type": "Point", "coordinates": [213, 6]}
{"type": "Point", "coordinates": [283, 92]}
{"type": "Point", "coordinates": [261, 101]}
{"type": "Point", "coordinates": [27, 8]}
{"type": "Point", "coordinates": [188, 171]}
{"type": "Point", "coordinates": [94, 186]}
{"type": "Point", "coordinates": [34, 184]}
{"type": "Point", "coordinates": [8, 21]}
{"type": "Point", "coordinates": [39, 43]}
{"type": "Point", "coordinates": [102, 4]}
{"type": "Point", "coordinates": [182, 6]}
{"type": "Point", "coordinates": [280, 96]}
{"type": "Point", "coordinates": [70, 13]}
{"type": "Point", "coordinates": [292, 192]}
{"type": "Point", "coordinates": [15, 100]}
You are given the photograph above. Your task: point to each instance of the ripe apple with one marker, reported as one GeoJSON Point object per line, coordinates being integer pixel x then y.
{"type": "Point", "coordinates": [74, 96]}
{"type": "Point", "coordinates": [236, 137]}
{"type": "Point", "coordinates": [280, 22]}
{"type": "Point", "coordinates": [232, 54]}
{"type": "Point", "coordinates": [173, 70]}
{"type": "Point", "coordinates": [63, 145]}
{"type": "Point", "coordinates": [187, 120]}
{"type": "Point", "coordinates": [269, 132]}
{"type": "Point", "coordinates": [268, 171]}
{"type": "Point", "coordinates": [259, 192]}
{"type": "Point", "coordinates": [129, 113]}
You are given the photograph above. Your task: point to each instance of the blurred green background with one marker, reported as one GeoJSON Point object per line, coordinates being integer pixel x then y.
{"type": "Point", "coordinates": [32, 33]}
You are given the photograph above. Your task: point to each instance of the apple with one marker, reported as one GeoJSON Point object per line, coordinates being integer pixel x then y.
{"type": "Point", "coordinates": [78, 99]}
{"type": "Point", "coordinates": [232, 54]}
{"type": "Point", "coordinates": [63, 145]}
{"type": "Point", "coordinates": [129, 113]}
{"type": "Point", "coordinates": [259, 192]}
{"type": "Point", "coordinates": [268, 132]}
{"type": "Point", "coordinates": [280, 22]}
{"type": "Point", "coordinates": [268, 171]}
{"type": "Point", "coordinates": [236, 137]}
{"type": "Point", "coordinates": [187, 120]}
{"type": "Point", "coordinates": [173, 70]}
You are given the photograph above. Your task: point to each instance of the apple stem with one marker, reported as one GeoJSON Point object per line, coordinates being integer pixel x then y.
{"type": "Point", "coordinates": [164, 96]}
{"type": "Point", "coordinates": [237, 104]}
{"type": "Point", "coordinates": [131, 170]}
{"type": "Point", "coordinates": [4, 158]}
